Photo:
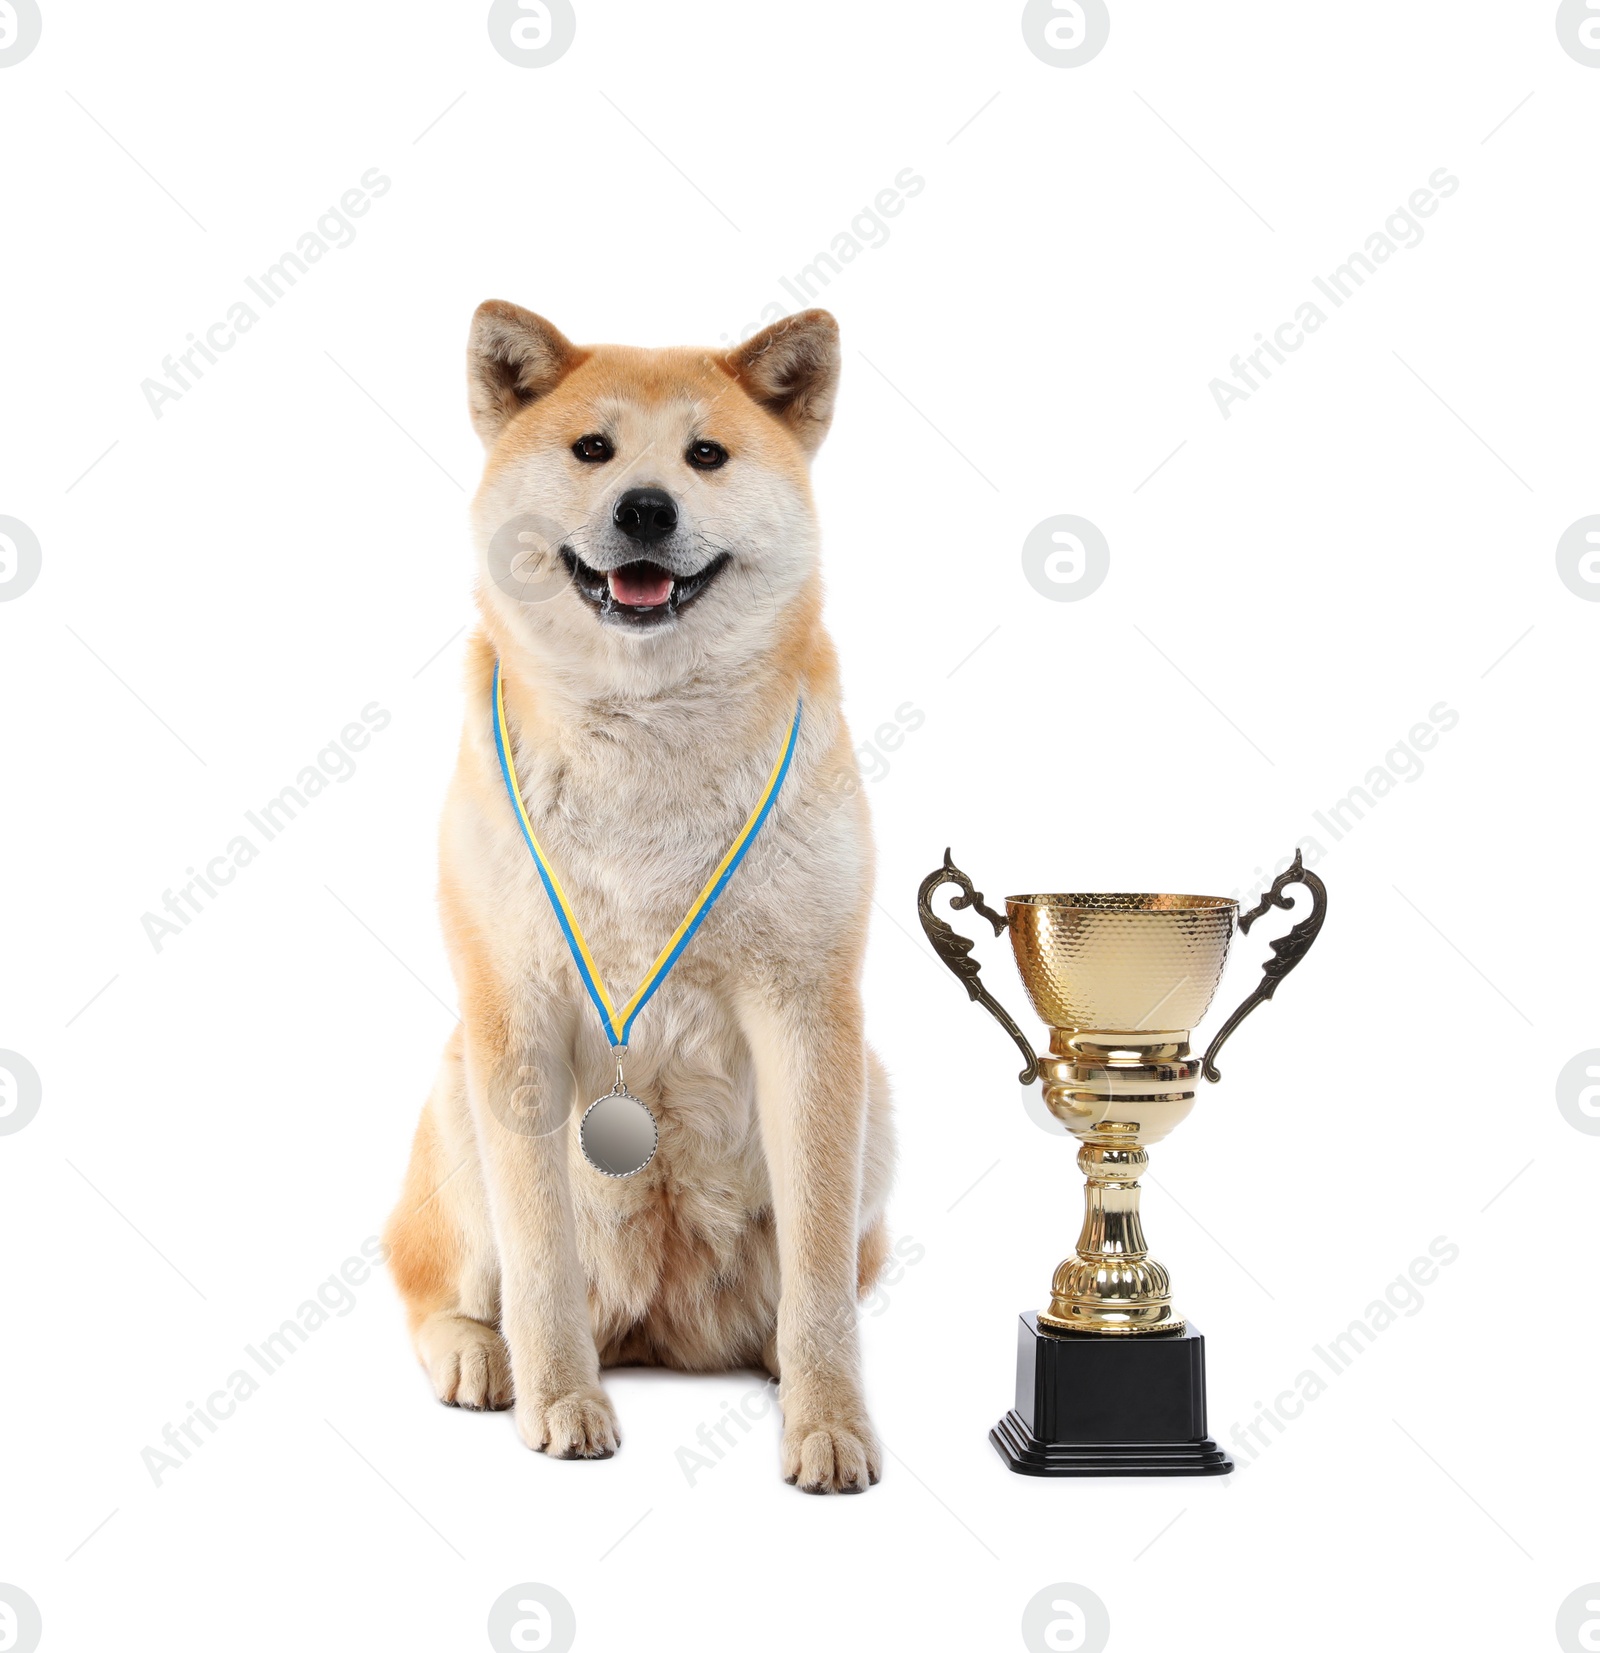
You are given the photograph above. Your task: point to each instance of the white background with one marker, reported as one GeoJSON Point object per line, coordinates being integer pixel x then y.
{"type": "Point", "coordinates": [1289, 593]}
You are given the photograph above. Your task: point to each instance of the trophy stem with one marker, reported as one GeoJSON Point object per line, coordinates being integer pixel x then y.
{"type": "Point", "coordinates": [1111, 1285]}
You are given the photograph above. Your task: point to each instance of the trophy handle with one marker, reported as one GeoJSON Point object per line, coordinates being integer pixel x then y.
{"type": "Point", "coordinates": [954, 949]}
{"type": "Point", "coordinates": [1287, 951]}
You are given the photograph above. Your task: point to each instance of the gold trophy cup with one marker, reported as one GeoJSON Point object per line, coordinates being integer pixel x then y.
{"type": "Point", "coordinates": [1121, 980]}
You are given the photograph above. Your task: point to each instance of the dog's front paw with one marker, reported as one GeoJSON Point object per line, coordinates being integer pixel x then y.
{"type": "Point", "coordinates": [467, 1362]}
{"type": "Point", "coordinates": [579, 1424]}
{"type": "Point", "coordinates": [831, 1454]}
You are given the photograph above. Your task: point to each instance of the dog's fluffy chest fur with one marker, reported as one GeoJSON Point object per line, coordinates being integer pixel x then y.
{"type": "Point", "coordinates": [633, 821]}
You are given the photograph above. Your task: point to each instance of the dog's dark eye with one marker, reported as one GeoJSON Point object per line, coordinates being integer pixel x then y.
{"type": "Point", "coordinates": [706, 456]}
{"type": "Point", "coordinates": [593, 450]}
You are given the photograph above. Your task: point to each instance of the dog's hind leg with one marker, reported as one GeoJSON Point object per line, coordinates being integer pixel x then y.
{"type": "Point", "coordinates": [442, 1255]}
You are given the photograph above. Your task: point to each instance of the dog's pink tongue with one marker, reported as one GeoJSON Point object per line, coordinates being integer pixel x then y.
{"type": "Point", "coordinates": [641, 585]}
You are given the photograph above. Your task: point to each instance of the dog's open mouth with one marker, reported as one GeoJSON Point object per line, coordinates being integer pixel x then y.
{"type": "Point", "coordinates": [639, 593]}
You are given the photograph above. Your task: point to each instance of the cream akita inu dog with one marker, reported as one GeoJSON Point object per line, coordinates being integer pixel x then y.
{"type": "Point", "coordinates": [660, 624]}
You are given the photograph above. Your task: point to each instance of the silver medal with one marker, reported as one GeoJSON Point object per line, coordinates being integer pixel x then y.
{"type": "Point", "coordinates": [618, 1133]}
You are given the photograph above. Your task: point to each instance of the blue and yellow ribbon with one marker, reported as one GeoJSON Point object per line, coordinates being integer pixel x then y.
{"type": "Point", "coordinates": [617, 1023]}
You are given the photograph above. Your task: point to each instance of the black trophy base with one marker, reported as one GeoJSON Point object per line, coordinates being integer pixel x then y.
{"type": "Point", "coordinates": [1089, 1404]}
{"type": "Point", "coordinates": [1025, 1453]}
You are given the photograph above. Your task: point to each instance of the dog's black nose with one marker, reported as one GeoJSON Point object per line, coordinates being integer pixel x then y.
{"type": "Point", "coordinates": [646, 515]}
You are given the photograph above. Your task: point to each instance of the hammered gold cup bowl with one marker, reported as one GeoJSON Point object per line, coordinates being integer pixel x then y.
{"type": "Point", "coordinates": [1121, 961]}
{"type": "Point", "coordinates": [1120, 980]}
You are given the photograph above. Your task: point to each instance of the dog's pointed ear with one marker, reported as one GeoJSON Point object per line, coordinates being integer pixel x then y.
{"type": "Point", "coordinates": [792, 370]}
{"type": "Point", "coordinates": [513, 358]}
